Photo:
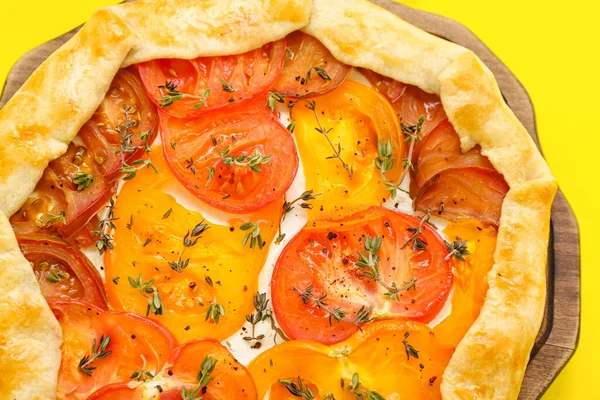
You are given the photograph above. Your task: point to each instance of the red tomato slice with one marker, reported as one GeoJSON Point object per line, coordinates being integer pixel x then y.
{"type": "Point", "coordinates": [231, 379]}
{"type": "Point", "coordinates": [465, 192]}
{"type": "Point", "coordinates": [93, 151]}
{"type": "Point", "coordinates": [305, 55]}
{"type": "Point", "coordinates": [63, 272]}
{"type": "Point", "coordinates": [194, 146]}
{"type": "Point", "coordinates": [410, 103]}
{"type": "Point", "coordinates": [233, 81]}
{"type": "Point", "coordinates": [441, 151]}
{"type": "Point", "coordinates": [135, 342]}
{"type": "Point", "coordinates": [324, 257]}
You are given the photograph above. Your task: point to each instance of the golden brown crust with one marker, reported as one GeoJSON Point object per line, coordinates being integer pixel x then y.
{"type": "Point", "coordinates": [30, 337]}
{"type": "Point", "coordinates": [38, 123]}
{"type": "Point", "coordinates": [362, 34]}
{"type": "Point", "coordinates": [490, 361]}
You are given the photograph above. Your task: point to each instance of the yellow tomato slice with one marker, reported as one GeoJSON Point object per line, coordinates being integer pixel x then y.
{"type": "Point", "coordinates": [378, 354]}
{"type": "Point", "coordinates": [355, 117]}
{"type": "Point", "coordinates": [147, 237]}
{"type": "Point", "coordinates": [470, 278]}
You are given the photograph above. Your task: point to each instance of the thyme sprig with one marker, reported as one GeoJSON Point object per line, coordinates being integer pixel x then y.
{"type": "Point", "coordinates": [260, 306]}
{"type": "Point", "coordinates": [52, 218]}
{"type": "Point", "coordinates": [214, 312]}
{"type": "Point", "coordinates": [337, 150]}
{"type": "Point", "coordinates": [254, 235]}
{"type": "Point", "coordinates": [127, 146]}
{"type": "Point", "coordinates": [142, 375]}
{"type": "Point", "coordinates": [171, 95]}
{"type": "Point", "coordinates": [385, 162]}
{"type": "Point", "coordinates": [298, 389]}
{"type": "Point", "coordinates": [207, 367]}
{"type": "Point", "coordinates": [189, 240]}
{"type": "Point", "coordinates": [458, 249]}
{"type": "Point", "coordinates": [355, 387]}
{"type": "Point", "coordinates": [415, 240]}
{"type": "Point", "coordinates": [150, 292]}
{"type": "Point", "coordinates": [83, 180]}
{"type": "Point", "coordinates": [262, 313]}
{"type": "Point", "coordinates": [410, 351]}
{"type": "Point", "coordinates": [368, 264]}
{"type": "Point", "coordinates": [105, 227]}
{"type": "Point", "coordinates": [288, 206]}
{"type": "Point", "coordinates": [363, 315]}
{"type": "Point", "coordinates": [99, 351]}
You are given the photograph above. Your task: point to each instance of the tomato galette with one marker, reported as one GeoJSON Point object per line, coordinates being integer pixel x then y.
{"type": "Point", "coordinates": [266, 200]}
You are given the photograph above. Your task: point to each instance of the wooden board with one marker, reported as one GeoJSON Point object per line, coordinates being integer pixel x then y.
{"type": "Point", "coordinates": [558, 336]}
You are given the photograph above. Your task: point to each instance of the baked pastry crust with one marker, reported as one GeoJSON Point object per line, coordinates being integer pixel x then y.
{"type": "Point", "coordinates": [40, 120]}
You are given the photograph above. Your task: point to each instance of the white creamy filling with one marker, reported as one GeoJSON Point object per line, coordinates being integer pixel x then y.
{"type": "Point", "coordinates": [293, 223]}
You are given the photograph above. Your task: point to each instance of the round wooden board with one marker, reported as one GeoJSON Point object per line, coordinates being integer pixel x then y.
{"type": "Point", "coordinates": [558, 336]}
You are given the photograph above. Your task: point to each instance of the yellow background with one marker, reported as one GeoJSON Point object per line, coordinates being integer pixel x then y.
{"type": "Point", "coordinates": [551, 47]}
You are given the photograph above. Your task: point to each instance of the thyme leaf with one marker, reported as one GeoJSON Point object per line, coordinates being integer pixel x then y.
{"type": "Point", "coordinates": [142, 375]}
{"type": "Point", "coordinates": [385, 162]}
{"type": "Point", "coordinates": [214, 312]}
{"type": "Point", "coordinates": [410, 351]}
{"type": "Point", "coordinates": [355, 386]}
{"type": "Point", "coordinates": [415, 240]}
{"type": "Point", "coordinates": [273, 99]}
{"type": "Point", "coordinates": [320, 72]}
{"type": "Point", "coordinates": [189, 240]}
{"type": "Point", "coordinates": [56, 276]}
{"type": "Point", "coordinates": [262, 313]}
{"type": "Point", "coordinates": [297, 389]}
{"type": "Point", "coordinates": [207, 367]}
{"type": "Point", "coordinates": [227, 86]}
{"type": "Point", "coordinates": [52, 218]}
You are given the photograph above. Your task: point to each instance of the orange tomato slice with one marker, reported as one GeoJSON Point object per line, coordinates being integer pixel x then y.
{"type": "Point", "coordinates": [378, 354]}
{"type": "Point", "coordinates": [356, 117]}
{"type": "Point", "coordinates": [149, 236]}
{"type": "Point", "coordinates": [470, 278]}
